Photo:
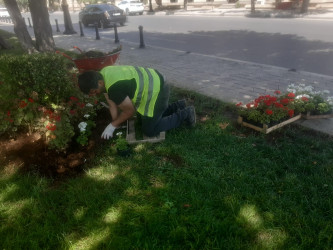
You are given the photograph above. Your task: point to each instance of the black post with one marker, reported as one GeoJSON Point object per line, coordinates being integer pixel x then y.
{"type": "Point", "coordinates": [97, 33]}
{"type": "Point", "coordinates": [56, 21]}
{"type": "Point", "coordinates": [142, 44]}
{"type": "Point", "coordinates": [116, 39]}
{"type": "Point", "coordinates": [29, 22]}
{"type": "Point", "coordinates": [81, 30]}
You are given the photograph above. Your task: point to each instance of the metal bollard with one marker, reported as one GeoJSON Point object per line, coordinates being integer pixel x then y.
{"type": "Point", "coordinates": [29, 22]}
{"type": "Point", "coordinates": [81, 30]}
{"type": "Point", "coordinates": [116, 39]}
{"type": "Point", "coordinates": [142, 44]}
{"type": "Point", "coordinates": [97, 33]}
{"type": "Point", "coordinates": [56, 21]}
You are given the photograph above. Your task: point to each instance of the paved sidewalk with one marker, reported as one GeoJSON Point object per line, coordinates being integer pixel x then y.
{"type": "Point", "coordinates": [221, 78]}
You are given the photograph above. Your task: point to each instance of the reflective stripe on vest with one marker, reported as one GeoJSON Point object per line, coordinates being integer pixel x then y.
{"type": "Point", "coordinates": [147, 85]}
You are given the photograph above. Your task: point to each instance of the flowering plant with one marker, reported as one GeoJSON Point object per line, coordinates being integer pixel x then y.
{"type": "Point", "coordinates": [316, 102]}
{"type": "Point", "coordinates": [271, 108]}
{"type": "Point", "coordinates": [121, 143]}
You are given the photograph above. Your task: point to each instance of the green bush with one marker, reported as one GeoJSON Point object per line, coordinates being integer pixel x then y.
{"type": "Point", "coordinates": [38, 93]}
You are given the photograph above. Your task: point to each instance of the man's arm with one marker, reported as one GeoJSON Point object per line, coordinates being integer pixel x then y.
{"type": "Point", "coordinates": [112, 107]}
{"type": "Point", "coordinates": [127, 111]}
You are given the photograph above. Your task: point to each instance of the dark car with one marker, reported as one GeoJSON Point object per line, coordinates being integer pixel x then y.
{"type": "Point", "coordinates": [102, 14]}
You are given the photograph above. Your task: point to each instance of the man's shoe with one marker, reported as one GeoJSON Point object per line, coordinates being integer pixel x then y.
{"type": "Point", "coordinates": [191, 116]}
{"type": "Point", "coordinates": [181, 104]}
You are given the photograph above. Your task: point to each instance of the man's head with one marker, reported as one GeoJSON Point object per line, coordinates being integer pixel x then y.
{"type": "Point", "coordinates": [91, 82]}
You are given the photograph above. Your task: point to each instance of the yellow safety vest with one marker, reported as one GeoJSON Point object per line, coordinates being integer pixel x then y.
{"type": "Point", "coordinates": [147, 85]}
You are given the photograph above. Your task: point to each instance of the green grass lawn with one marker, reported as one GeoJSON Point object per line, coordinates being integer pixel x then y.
{"type": "Point", "coordinates": [210, 187]}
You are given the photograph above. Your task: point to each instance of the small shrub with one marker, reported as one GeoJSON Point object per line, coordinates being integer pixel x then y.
{"type": "Point", "coordinates": [39, 93]}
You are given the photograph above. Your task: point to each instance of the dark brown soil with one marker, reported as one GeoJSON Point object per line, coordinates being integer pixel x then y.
{"type": "Point", "coordinates": [29, 153]}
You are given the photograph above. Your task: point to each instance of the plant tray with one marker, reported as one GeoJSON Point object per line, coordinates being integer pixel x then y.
{"type": "Point", "coordinates": [308, 116]}
{"type": "Point", "coordinates": [265, 128]}
{"type": "Point", "coordinates": [131, 137]}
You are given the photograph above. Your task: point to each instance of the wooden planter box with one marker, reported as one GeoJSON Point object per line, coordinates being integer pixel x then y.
{"type": "Point", "coordinates": [308, 116]}
{"type": "Point", "coordinates": [265, 128]}
{"type": "Point", "coordinates": [131, 137]}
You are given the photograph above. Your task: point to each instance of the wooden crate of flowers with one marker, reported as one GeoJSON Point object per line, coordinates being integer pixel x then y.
{"type": "Point", "coordinates": [270, 112]}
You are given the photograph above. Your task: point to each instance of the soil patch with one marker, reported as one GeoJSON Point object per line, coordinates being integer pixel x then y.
{"type": "Point", "coordinates": [29, 153]}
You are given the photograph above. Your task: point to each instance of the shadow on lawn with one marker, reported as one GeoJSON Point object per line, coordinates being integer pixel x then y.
{"type": "Point", "coordinates": [203, 188]}
{"type": "Point", "coordinates": [122, 208]}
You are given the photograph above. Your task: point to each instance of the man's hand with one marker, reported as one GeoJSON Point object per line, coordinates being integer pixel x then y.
{"type": "Point", "coordinates": [108, 132]}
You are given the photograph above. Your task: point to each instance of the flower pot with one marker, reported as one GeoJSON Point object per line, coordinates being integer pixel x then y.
{"type": "Point", "coordinates": [124, 152]}
{"type": "Point", "coordinates": [264, 128]}
{"type": "Point", "coordinates": [310, 115]}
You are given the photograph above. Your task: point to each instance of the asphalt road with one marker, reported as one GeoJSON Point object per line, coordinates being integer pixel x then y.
{"type": "Point", "coordinates": [300, 44]}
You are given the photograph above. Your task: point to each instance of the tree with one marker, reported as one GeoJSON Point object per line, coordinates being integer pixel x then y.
{"type": "Point", "coordinates": [253, 4]}
{"type": "Point", "coordinates": [67, 19]}
{"type": "Point", "coordinates": [20, 28]}
{"type": "Point", "coordinates": [305, 6]}
{"type": "Point", "coordinates": [42, 26]}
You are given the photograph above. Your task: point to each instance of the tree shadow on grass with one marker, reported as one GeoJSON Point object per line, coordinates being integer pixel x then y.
{"type": "Point", "coordinates": [203, 188]}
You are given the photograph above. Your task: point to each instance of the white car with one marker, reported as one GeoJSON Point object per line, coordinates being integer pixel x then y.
{"type": "Point", "coordinates": [131, 6]}
{"type": "Point", "coordinates": [4, 12]}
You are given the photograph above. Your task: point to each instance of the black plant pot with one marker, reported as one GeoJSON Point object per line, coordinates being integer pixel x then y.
{"type": "Point", "coordinates": [124, 152]}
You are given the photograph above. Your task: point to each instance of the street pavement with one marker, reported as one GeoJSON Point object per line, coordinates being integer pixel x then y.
{"type": "Point", "coordinates": [225, 79]}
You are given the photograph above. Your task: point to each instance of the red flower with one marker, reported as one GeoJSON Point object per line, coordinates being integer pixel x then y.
{"type": "Point", "coordinates": [8, 113]}
{"type": "Point", "coordinates": [278, 105]}
{"type": "Point", "coordinates": [291, 95]}
{"type": "Point", "coordinates": [269, 112]}
{"type": "Point", "coordinates": [51, 127]}
{"type": "Point", "coordinates": [304, 99]}
{"type": "Point", "coordinates": [72, 112]}
{"type": "Point", "coordinates": [74, 99]}
{"type": "Point", "coordinates": [291, 112]}
{"type": "Point", "coordinates": [285, 101]}
{"type": "Point", "coordinates": [23, 104]}
{"type": "Point", "coordinates": [31, 100]}
{"type": "Point", "coordinates": [239, 104]}
{"type": "Point", "coordinates": [80, 104]}
{"type": "Point", "coordinates": [277, 92]}
{"type": "Point", "coordinates": [9, 119]}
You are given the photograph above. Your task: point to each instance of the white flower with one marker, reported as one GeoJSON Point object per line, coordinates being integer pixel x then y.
{"type": "Point", "coordinates": [119, 133]}
{"type": "Point", "coordinates": [86, 116]}
{"type": "Point", "coordinates": [82, 126]}
{"type": "Point", "coordinates": [300, 96]}
{"type": "Point", "coordinates": [326, 91]}
{"type": "Point", "coordinates": [89, 105]}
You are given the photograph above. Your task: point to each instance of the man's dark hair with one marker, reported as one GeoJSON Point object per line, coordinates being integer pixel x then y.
{"type": "Point", "coordinates": [89, 80]}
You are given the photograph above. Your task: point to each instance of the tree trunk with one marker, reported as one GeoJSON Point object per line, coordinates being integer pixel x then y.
{"type": "Point", "coordinates": [67, 19]}
{"type": "Point", "coordinates": [42, 26]}
{"type": "Point", "coordinates": [4, 44]}
{"type": "Point", "coordinates": [253, 8]}
{"type": "Point", "coordinates": [305, 6]}
{"type": "Point", "coordinates": [20, 28]}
